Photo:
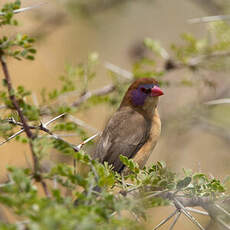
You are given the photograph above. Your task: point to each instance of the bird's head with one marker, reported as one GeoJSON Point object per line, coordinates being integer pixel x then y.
{"type": "Point", "coordinates": [143, 93]}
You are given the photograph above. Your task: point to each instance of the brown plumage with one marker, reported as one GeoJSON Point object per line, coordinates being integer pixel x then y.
{"type": "Point", "coordinates": [134, 128]}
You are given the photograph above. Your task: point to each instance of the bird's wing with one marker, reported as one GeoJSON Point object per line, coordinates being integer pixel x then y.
{"type": "Point", "coordinates": [125, 134]}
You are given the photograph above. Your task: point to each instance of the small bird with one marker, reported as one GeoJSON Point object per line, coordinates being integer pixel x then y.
{"type": "Point", "coordinates": [134, 128]}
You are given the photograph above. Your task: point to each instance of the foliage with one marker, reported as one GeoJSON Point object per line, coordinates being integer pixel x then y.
{"type": "Point", "coordinates": [53, 199]}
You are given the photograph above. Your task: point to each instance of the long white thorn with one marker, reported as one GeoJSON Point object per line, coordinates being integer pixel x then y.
{"type": "Point", "coordinates": [166, 220]}
{"type": "Point", "coordinates": [187, 214]}
{"type": "Point", "coordinates": [13, 136]}
{"type": "Point", "coordinates": [175, 220]}
{"type": "Point", "coordinates": [23, 9]}
{"type": "Point", "coordinates": [197, 211]}
{"type": "Point", "coordinates": [54, 119]}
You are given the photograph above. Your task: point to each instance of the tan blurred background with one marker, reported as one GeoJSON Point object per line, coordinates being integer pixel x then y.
{"type": "Point", "coordinates": [67, 37]}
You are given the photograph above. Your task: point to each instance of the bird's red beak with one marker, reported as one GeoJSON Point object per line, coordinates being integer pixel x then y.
{"type": "Point", "coordinates": [156, 91]}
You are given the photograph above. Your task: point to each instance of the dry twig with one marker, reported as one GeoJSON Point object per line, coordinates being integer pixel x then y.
{"type": "Point", "coordinates": [23, 9]}
{"type": "Point", "coordinates": [98, 92]}
{"type": "Point", "coordinates": [209, 19]}
{"type": "Point", "coordinates": [26, 127]}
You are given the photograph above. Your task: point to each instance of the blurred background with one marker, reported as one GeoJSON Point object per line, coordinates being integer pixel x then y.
{"type": "Point", "coordinates": [194, 135]}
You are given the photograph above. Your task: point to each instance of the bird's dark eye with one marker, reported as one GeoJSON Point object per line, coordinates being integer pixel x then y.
{"type": "Point", "coordinates": [144, 90]}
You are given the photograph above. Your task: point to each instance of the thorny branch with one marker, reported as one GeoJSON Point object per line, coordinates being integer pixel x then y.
{"type": "Point", "coordinates": [26, 127]}
{"type": "Point", "coordinates": [43, 127]}
{"type": "Point", "coordinates": [183, 205]}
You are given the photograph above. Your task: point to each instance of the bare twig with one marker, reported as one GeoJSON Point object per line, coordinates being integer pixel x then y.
{"type": "Point", "coordinates": [166, 220]}
{"type": "Point", "coordinates": [13, 136]}
{"type": "Point", "coordinates": [209, 19]}
{"type": "Point", "coordinates": [116, 69]}
{"type": "Point", "coordinates": [220, 221]}
{"type": "Point", "coordinates": [54, 119]}
{"type": "Point", "coordinates": [13, 98]}
{"type": "Point", "coordinates": [98, 92]}
{"type": "Point", "coordinates": [42, 127]}
{"type": "Point", "coordinates": [26, 127]}
{"type": "Point", "coordinates": [78, 147]}
{"type": "Point", "coordinates": [81, 123]}
{"type": "Point", "coordinates": [197, 211]}
{"type": "Point", "coordinates": [136, 217]}
{"type": "Point", "coordinates": [35, 99]}
{"type": "Point", "coordinates": [181, 202]}
{"type": "Point", "coordinates": [106, 89]}
{"type": "Point", "coordinates": [157, 193]}
{"type": "Point", "coordinates": [196, 61]}
{"type": "Point", "coordinates": [175, 220]}
{"type": "Point", "coordinates": [6, 184]}
{"type": "Point", "coordinates": [223, 210]}
{"type": "Point", "coordinates": [55, 184]}
{"type": "Point", "coordinates": [23, 9]}
{"type": "Point", "coordinates": [218, 101]}
{"type": "Point", "coordinates": [187, 214]}
{"type": "Point", "coordinates": [45, 188]}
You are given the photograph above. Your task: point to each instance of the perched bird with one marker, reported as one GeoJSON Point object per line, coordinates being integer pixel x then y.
{"type": "Point", "coordinates": [134, 128]}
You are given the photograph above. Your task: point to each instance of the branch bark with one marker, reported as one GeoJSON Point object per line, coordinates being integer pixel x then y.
{"type": "Point", "coordinates": [26, 127]}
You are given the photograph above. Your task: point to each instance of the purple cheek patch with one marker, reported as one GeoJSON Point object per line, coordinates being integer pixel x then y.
{"type": "Point", "coordinates": [138, 98]}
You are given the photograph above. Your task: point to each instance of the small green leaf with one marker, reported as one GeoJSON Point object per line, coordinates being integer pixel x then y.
{"type": "Point", "coordinates": [183, 183]}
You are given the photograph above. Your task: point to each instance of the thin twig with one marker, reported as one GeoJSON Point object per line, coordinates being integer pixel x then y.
{"type": "Point", "coordinates": [81, 123]}
{"type": "Point", "coordinates": [78, 147]}
{"type": "Point", "coordinates": [35, 99]}
{"type": "Point", "coordinates": [98, 92]}
{"type": "Point", "coordinates": [45, 188]}
{"type": "Point", "coordinates": [118, 70]}
{"type": "Point", "coordinates": [209, 19]}
{"type": "Point", "coordinates": [136, 217]}
{"type": "Point", "coordinates": [54, 119]}
{"type": "Point", "coordinates": [218, 101]}
{"type": "Point", "coordinates": [13, 98]}
{"type": "Point", "coordinates": [94, 172]}
{"type": "Point", "coordinates": [26, 127]}
{"type": "Point", "coordinates": [166, 220]}
{"type": "Point", "coordinates": [13, 136]}
{"type": "Point", "coordinates": [23, 9]}
{"type": "Point", "coordinates": [220, 221]}
{"type": "Point", "coordinates": [175, 220]}
{"type": "Point", "coordinates": [6, 184]}
{"type": "Point", "coordinates": [222, 210]}
{"type": "Point", "coordinates": [18, 109]}
{"type": "Point", "coordinates": [55, 184]}
{"type": "Point", "coordinates": [187, 214]}
{"type": "Point", "coordinates": [42, 127]}
{"type": "Point", "coordinates": [197, 211]}
{"type": "Point", "coordinates": [133, 189]}
{"type": "Point", "coordinates": [158, 193]}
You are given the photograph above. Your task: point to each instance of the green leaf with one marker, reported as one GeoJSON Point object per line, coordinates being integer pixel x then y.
{"type": "Point", "coordinates": [183, 183]}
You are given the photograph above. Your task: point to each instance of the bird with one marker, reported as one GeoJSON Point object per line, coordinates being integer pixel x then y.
{"type": "Point", "coordinates": [134, 129]}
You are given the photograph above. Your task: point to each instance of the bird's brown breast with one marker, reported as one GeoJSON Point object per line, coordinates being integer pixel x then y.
{"type": "Point", "coordinates": [145, 151]}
